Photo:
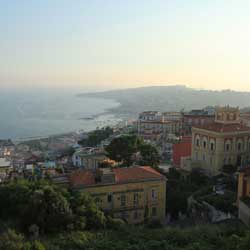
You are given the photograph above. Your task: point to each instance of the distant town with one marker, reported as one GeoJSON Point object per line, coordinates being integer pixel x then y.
{"type": "Point", "coordinates": [133, 169]}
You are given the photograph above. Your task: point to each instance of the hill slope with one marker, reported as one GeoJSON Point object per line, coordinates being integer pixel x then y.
{"type": "Point", "coordinates": [170, 98]}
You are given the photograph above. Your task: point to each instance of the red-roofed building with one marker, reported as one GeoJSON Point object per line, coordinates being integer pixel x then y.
{"type": "Point", "coordinates": [133, 194]}
{"type": "Point", "coordinates": [182, 150]}
{"type": "Point", "coordinates": [223, 143]}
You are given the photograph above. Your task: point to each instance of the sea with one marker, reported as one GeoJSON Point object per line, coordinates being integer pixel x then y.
{"type": "Point", "coordinates": [40, 113]}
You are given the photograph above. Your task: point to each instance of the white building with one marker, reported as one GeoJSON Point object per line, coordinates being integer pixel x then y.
{"type": "Point", "coordinates": [88, 158]}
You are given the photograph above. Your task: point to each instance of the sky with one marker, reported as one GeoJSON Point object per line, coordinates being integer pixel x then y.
{"type": "Point", "coordinates": [110, 44]}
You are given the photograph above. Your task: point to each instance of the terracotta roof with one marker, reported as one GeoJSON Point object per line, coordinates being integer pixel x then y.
{"type": "Point", "coordinates": [82, 177]}
{"type": "Point", "coordinates": [224, 128]}
{"type": "Point", "coordinates": [122, 175]}
{"type": "Point", "coordinates": [135, 173]}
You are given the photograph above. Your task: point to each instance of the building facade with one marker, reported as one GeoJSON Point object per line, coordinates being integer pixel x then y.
{"type": "Point", "coordinates": [153, 127]}
{"type": "Point", "coordinates": [88, 158]}
{"type": "Point", "coordinates": [181, 150]}
{"type": "Point", "coordinates": [134, 194]}
{"type": "Point", "coordinates": [243, 197]}
{"type": "Point", "coordinates": [197, 117]}
{"type": "Point", "coordinates": [225, 142]}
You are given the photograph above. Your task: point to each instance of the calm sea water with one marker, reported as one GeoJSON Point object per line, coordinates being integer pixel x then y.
{"type": "Point", "coordinates": [41, 113]}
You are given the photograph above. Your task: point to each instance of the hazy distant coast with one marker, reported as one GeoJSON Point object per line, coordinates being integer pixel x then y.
{"type": "Point", "coordinates": [40, 114]}
{"type": "Point", "coordinates": [168, 98]}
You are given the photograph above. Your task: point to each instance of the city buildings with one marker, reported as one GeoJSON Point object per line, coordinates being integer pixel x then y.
{"type": "Point", "coordinates": [153, 127]}
{"type": "Point", "coordinates": [197, 117]}
{"type": "Point", "coordinates": [245, 118]}
{"type": "Point", "coordinates": [225, 142]}
{"type": "Point", "coordinates": [134, 194]}
{"type": "Point", "coordinates": [181, 150]}
{"type": "Point", "coordinates": [5, 167]}
{"type": "Point", "coordinates": [172, 116]}
{"type": "Point", "coordinates": [88, 158]}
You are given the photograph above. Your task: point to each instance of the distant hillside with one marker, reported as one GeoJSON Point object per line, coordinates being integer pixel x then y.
{"type": "Point", "coordinates": [170, 98]}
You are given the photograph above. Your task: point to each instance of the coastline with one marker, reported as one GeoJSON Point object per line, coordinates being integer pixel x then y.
{"type": "Point", "coordinates": [58, 118]}
{"type": "Point", "coordinates": [73, 132]}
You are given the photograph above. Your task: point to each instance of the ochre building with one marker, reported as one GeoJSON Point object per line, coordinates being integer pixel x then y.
{"type": "Point", "coordinates": [134, 194]}
{"type": "Point", "coordinates": [223, 143]}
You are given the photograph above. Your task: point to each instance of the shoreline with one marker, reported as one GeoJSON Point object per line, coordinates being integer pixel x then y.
{"type": "Point", "coordinates": [82, 124]}
{"type": "Point", "coordinates": [70, 133]}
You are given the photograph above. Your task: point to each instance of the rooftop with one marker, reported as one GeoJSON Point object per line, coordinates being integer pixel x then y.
{"type": "Point", "coordinates": [224, 128]}
{"type": "Point", "coordinates": [4, 162]}
{"type": "Point", "coordinates": [122, 175]}
{"type": "Point", "coordinates": [199, 112]}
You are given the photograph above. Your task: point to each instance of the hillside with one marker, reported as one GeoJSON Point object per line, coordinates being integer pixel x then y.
{"type": "Point", "coordinates": [169, 98]}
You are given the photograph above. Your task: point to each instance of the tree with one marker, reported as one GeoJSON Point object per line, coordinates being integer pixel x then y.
{"type": "Point", "coordinates": [121, 149]}
{"type": "Point", "coordinates": [48, 209]}
{"type": "Point", "coordinates": [95, 137]}
{"type": "Point", "coordinates": [10, 240]}
{"type": "Point", "coordinates": [86, 212]}
{"type": "Point", "coordinates": [149, 155]}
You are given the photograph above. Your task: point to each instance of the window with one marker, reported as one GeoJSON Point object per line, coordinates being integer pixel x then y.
{"type": "Point", "coordinates": [153, 194]}
{"type": "Point", "coordinates": [212, 146]}
{"type": "Point", "coordinates": [203, 157]}
{"type": "Point", "coordinates": [227, 147]}
{"type": "Point", "coordinates": [225, 161]}
{"type": "Point", "coordinates": [154, 211]}
{"type": "Point", "coordinates": [136, 199]}
{"type": "Point", "coordinates": [123, 200]}
{"type": "Point", "coordinates": [197, 142]}
{"type": "Point", "coordinates": [196, 156]}
{"type": "Point", "coordinates": [136, 215]}
{"type": "Point", "coordinates": [110, 198]}
{"type": "Point", "coordinates": [239, 146]}
{"type": "Point", "coordinates": [204, 144]}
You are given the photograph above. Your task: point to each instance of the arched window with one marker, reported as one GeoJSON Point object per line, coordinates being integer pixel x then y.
{"type": "Point", "coordinates": [212, 144]}
{"type": "Point", "coordinates": [196, 156]}
{"type": "Point", "coordinates": [240, 145]}
{"type": "Point", "coordinates": [227, 145]}
{"type": "Point", "coordinates": [197, 140]}
{"type": "Point", "coordinates": [203, 157]}
{"type": "Point", "coordinates": [204, 142]}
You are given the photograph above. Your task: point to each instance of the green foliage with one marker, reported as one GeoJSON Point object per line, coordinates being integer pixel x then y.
{"type": "Point", "coordinates": [221, 202]}
{"type": "Point", "coordinates": [48, 209]}
{"type": "Point", "coordinates": [11, 240]}
{"type": "Point", "coordinates": [149, 155]}
{"type": "Point", "coordinates": [86, 212]}
{"type": "Point", "coordinates": [75, 240]}
{"type": "Point", "coordinates": [121, 149]}
{"type": "Point", "coordinates": [95, 137]}
{"type": "Point", "coordinates": [114, 223]}
{"type": "Point", "coordinates": [179, 188]}
{"type": "Point", "coordinates": [40, 208]}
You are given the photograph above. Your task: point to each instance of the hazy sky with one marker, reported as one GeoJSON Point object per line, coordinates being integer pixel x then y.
{"type": "Point", "coordinates": [99, 44]}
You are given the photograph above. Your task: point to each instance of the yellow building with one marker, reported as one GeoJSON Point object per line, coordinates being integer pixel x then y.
{"type": "Point", "coordinates": [225, 142]}
{"type": "Point", "coordinates": [243, 198]}
{"type": "Point", "coordinates": [133, 194]}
